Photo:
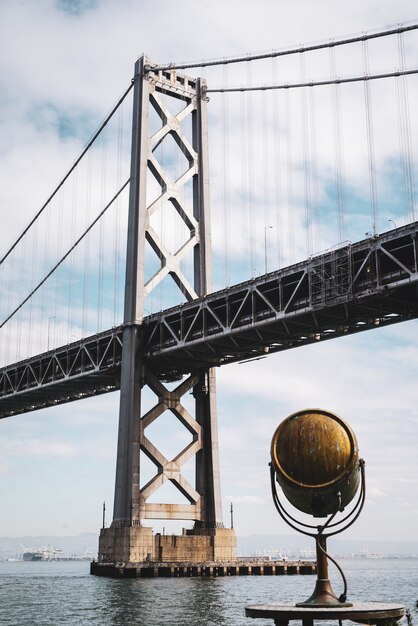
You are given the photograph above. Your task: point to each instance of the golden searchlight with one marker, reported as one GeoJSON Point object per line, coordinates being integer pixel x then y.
{"type": "Point", "coordinates": [314, 458]}
{"type": "Point", "coordinates": [315, 461]}
{"type": "Point", "coordinates": [314, 455]}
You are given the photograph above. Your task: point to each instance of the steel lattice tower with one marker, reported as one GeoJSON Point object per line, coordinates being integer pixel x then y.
{"type": "Point", "coordinates": [154, 89]}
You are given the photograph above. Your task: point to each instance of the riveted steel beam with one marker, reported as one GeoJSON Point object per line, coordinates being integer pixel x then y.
{"type": "Point", "coordinates": [376, 285]}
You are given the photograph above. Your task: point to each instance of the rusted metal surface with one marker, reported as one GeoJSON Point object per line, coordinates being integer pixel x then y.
{"type": "Point", "coordinates": [314, 458]}
{"type": "Point", "coordinates": [315, 455]}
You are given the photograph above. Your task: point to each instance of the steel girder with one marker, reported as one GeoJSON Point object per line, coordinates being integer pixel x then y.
{"type": "Point", "coordinates": [345, 290]}
{"type": "Point", "coordinates": [78, 370]}
{"type": "Point", "coordinates": [367, 285]}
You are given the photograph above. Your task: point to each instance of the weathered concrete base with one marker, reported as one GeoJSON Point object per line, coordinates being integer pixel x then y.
{"type": "Point", "coordinates": [137, 544]}
{"type": "Point", "coordinates": [213, 569]}
{"type": "Point", "coordinates": [200, 545]}
{"type": "Point", "coordinates": [131, 552]}
{"type": "Point", "coordinates": [130, 544]}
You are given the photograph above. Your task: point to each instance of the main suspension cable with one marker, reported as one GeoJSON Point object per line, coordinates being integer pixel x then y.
{"type": "Point", "coordinates": [35, 289]}
{"type": "Point", "coordinates": [72, 168]}
{"type": "Point", "coordinates": [279, 53]}
{"type": "Point", "coordinates": [315, 83]}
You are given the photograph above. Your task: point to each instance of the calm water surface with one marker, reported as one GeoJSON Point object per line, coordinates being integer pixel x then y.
{"type": "Point", "coordinates": [64, 593]}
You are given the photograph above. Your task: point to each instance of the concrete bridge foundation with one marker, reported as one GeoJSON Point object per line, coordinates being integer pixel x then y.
{"type": "Point", "coordinates": [138, 544]}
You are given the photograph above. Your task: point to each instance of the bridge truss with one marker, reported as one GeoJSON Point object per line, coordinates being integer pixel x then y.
{"type": "Point", "coordinates": [372, 283]}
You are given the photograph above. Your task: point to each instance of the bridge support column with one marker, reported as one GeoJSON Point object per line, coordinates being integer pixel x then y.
{"type": "Point", "coordinates": [207, 459]}
{"type": "Point", "coordinates": [127, 541]}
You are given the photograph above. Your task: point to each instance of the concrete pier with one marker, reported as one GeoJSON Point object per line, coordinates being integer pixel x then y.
{"type": "Point", "coordinates": [138, 544]}
{"type": "Point", "coordinates": [203, 569]}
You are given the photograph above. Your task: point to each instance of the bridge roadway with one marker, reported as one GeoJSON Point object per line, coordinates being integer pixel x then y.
{"type": "Point", "coordinates": [352, 288]}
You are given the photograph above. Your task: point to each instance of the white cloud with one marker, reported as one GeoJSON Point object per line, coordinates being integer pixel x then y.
{"type": "Point", "coordinates": [4, 469]}
{"type": "Point", "coordinates": [30, 447]}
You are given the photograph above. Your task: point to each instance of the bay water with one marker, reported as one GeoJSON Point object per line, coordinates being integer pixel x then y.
{"type": "Point", "coordinates": [65, 594]}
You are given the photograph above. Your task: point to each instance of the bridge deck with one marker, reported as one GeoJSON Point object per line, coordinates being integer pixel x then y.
{"type": "Point", "coordinates": [358, 287]}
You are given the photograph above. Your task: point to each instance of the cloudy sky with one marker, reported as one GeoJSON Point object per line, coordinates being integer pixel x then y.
{"type": "Point", "coordinates": [69, 60]}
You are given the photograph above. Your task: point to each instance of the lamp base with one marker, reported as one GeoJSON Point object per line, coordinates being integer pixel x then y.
{"type": "Point", "coordinates": [323, 596]}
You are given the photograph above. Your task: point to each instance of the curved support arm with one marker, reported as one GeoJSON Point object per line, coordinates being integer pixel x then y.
{"type": "Point", "coordinates": [282, 511]}
{"type": "Point", "coordinates": [353, 513]}
{"type": "Point", "coordinates": [320, 536]}
{"type": "Point", "coordinates": [359, 504]}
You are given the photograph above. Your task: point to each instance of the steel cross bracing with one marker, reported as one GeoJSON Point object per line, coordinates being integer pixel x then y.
{"type": "Point", "coordinates": [181, 87]}
{"type": "Point", "coordinates": [81, 369]}
{"type": "Point", "coordinates": [354, 288]}
{"type": "Point", "coordinates": [184, 194]}
{"type": "Point", "coordinates": [349, 289]}
{"type": "Point", "coordinates": [171, 469]}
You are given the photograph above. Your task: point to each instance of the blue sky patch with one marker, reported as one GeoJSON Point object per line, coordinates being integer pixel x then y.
{"type": "Point", "coordinates": [76, 7]}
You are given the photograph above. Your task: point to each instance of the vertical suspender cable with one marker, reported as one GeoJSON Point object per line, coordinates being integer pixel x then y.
{"type": "Point", "coordinates": [370, 141]}
{"type": "Point", "coordinates": [250, 160]}
{"type": "Point", "coordinates": [86, 247]}
{"type": "Point", "coordinates": [407, 156]}
{"type": "Point", "coordinates": [57, 281]}
{"type": "Point", "coordinates": [277, 165]}
{"type": "Point", "coordinates": [265, 146]}
{"type": "Point", "coordinates": [102, 234]}
{"type": "Point", "coordinates": [225, 180]}
{"type": "Point", "coordinates": [101, 241]}
{"type": "Point", "coordinates": [71, 296]}
{"type": "Point", "coordinates": [402, 148]}
{"type": "Point", "coordinates": [42, 330]}
{"type": "Point", "coordinates": [32, 307]}
{"type": "Point", "coordinates": [244, 184]}
{"type": "Point", "coordinates": [12, 282]}
{"type": "Point", "coordinates": [305, 156]}
{"type": "Point", "coordinates": [316, 214]}
{"type": "Point", "coordinates": [338, 150]}
{"type": "Point", "coordinates": [289, 182]}
{"type": "Point", "coordinates": [21, 286]}
{"type": "Point", "coordinates": [116, 219]}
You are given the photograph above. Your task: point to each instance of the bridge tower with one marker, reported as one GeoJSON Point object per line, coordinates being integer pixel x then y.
{"type": "Point", "coordinates": [127, 540]}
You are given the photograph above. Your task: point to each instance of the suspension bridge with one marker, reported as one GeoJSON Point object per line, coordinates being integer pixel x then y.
{"type": "Point", "coordinates": [125, 280]}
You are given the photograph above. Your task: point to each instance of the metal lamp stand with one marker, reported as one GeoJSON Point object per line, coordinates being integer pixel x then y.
{"type": "Point", "coordinates": [323, 604]}
{"type": "Point", "coordinates": [323, 594]}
